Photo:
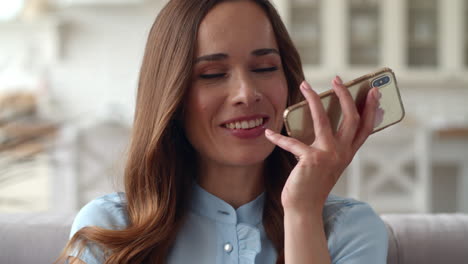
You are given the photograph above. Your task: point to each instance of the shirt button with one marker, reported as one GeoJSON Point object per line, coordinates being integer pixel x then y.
{"type": "Point", "coordinates": [228, 247]}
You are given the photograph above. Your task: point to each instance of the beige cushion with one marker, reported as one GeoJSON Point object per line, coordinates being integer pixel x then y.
{"type": "Point", "coordinates": [427, 238]}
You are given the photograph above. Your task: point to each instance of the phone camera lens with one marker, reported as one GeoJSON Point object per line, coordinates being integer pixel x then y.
{"type": "Point", "coordinates": [381, 81]}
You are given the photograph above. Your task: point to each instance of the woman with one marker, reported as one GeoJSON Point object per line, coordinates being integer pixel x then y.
{"type": "Point", "coordinates": [210, 177]}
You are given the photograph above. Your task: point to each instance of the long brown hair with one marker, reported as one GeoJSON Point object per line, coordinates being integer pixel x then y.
{"type": "Point", "coordinates": [161, 163]}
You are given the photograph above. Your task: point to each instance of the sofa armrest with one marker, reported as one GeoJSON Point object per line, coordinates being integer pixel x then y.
{"type": "Point", "coordinates": [427, 238]}
{"type": "Point", "coordinates": [33, 237]}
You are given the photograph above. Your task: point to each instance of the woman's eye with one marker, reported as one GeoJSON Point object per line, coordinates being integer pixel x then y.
{"type": "Point", "coordinates": [266, 69]}
{"type": "Point", "coordinates": [212, 76]}
{"type": "Point", "coordinates": [220, 75]}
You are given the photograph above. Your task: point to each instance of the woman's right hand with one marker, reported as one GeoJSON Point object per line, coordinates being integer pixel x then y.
{"type": "Point", "coordinates": [321, 164]}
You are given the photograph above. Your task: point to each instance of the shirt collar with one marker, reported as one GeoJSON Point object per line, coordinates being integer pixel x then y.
{"type": "Point", "coordinates": [208, 205]}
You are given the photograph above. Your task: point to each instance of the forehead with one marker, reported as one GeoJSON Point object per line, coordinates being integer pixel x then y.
{"type": "Point", "coordinates": [235, 26]}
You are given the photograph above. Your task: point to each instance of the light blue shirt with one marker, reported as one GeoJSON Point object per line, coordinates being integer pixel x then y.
{"type": "Point", "coordinates": [215, 232]}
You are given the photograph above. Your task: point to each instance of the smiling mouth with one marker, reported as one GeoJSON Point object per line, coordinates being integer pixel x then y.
{"type": "Point", "coordinates": [246, 124]}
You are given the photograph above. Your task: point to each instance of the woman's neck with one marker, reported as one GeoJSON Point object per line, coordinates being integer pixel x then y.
{"type": "Point", "coordinates": [235, 185]}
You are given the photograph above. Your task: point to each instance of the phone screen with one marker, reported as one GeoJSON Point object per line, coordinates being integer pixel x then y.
{"type": "Point", "coordinates": [298, 119]}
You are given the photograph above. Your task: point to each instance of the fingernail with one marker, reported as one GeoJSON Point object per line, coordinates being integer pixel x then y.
{"type": "Point", "coordinates": [379, 114]}
{"type": "Point", "coordinates": [302, 86]}
{"type": "Point", "coordinates": [307, 85]}
{"type": "Point", "coordinates": [268, 132]}
{"type": "Point", "coordinates": [338, 79]}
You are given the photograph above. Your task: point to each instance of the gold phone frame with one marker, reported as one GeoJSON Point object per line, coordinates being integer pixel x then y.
{"type": "Point", "coordinates": [349, 84]}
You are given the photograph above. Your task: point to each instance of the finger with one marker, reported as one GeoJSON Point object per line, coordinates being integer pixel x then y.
{"type": "Point", "coordinates": [379, 114]}
{"type": "Point", "coordinates": [351, 117]}
{"type": "Point", "coordinates": [322, 128]}
{"type": "Point", "coordinates": [368, 120]}
{"type": "Point", "coordinates": [290, 144]}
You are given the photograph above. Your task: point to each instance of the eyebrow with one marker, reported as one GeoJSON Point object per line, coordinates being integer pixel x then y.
{"type": "Point", "coordinates": [262, 52]}
{"type": "Point", "coordinates": [223, 56]}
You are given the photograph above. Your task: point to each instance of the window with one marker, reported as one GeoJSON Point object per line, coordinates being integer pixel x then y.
{"type": "Point", "coordinates": [305, 28]}
{"type": "Point", "coordinates": [466, 32]}
{"type": "Point", "coordinates": [422, 33]}
{"type": "Point", "coordinates": [10, 9]}
{"type": "Point", "coordinates": [363, 30]}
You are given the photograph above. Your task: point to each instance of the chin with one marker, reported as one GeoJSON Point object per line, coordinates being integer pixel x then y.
{"type": "Point", "coordinates": [247, 158]}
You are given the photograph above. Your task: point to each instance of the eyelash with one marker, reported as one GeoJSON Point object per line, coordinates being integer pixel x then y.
{"type": "Point", "coordinates": [218, 75]}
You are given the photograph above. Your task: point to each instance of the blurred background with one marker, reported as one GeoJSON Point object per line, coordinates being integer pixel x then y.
{"type": "Point", "coordinates": [68, 77]}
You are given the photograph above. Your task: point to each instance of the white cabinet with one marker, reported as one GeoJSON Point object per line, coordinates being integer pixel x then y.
{"type": "Point", "coordinates": [425, 42]}
{"type": "Point", "coordinates": [422, 40]}
{"type": "Point", "coordinates": [98, 2]}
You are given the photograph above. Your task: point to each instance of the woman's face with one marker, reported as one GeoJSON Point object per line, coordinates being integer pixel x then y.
{"type": "Point", "coordinates": [238, 86]}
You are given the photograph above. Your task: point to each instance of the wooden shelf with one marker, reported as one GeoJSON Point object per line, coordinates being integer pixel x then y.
{"type": "Point", "coordinates": [20, 133]}
{"type": "Point", "coordinates": [453, 132]}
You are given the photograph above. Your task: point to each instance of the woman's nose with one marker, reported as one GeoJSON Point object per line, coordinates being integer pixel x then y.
{"type": "Point", "coordinates": [245, 91]}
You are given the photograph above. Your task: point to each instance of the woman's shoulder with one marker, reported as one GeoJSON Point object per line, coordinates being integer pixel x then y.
{"type": "Point", "coordinates": [342, 213]}
{"type": "Point", "coordinates": [338, 206]}
{"type": "Point", "coordinates": [353, 226]}
{"type": "Point", "coordinates": [107, 211]}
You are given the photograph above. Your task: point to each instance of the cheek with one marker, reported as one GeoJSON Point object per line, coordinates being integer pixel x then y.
{"type": "Point", "coordinates": [279, 89]}
{"type": "Point", "coordinates": [197, 112]}
{"type": "Point", "coordinates": [282, 96]}
{"type": "Point", "coordinates": [200, 112]}
{"type": "Point", "coordinates": [278, 96]}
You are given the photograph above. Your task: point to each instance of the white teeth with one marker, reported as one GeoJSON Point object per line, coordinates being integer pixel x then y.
{"type": "Point", "coordinates": [245, 124]}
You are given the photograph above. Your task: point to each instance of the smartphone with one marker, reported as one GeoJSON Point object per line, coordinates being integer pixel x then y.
{"type": "Point", "coordinates": [298, 120]}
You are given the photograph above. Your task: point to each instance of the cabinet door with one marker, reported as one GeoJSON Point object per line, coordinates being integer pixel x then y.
{"type": "Point", "coordinates": [422, 33]}
{"type": "Point", "coordinates": [305, 29]}
{"type": "Point", "coordinates": [363, 32]}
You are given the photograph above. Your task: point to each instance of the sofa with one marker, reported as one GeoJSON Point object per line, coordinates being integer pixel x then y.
{"type": "Point", "coordinates": [413, 238]}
